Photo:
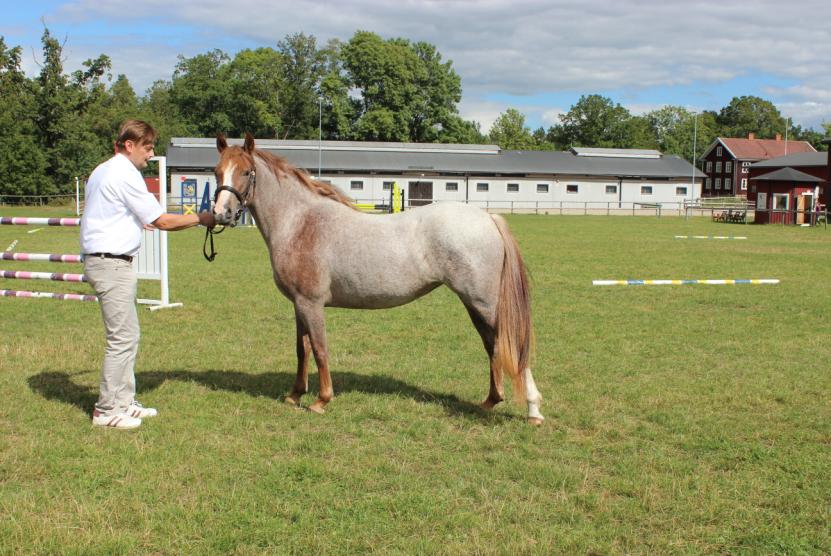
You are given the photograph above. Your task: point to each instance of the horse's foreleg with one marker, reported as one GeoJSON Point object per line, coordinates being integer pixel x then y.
{"type": "Point", "coordinates": [304, 348]}
{"type": "Point", "coordinates": [312, 317]}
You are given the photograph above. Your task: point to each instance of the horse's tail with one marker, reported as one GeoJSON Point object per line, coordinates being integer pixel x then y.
{"type": "Point", "coordinates": [514, 333]}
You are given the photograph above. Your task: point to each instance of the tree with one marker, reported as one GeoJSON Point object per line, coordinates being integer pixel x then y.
{"type": "Point", "coordinates": [510, 133]}
{"type": "Point", "coordinates": [22, 164]}
{"type": "Point", "coordinates": [200, 93]}
{"type": "Point", "coordinates": [750, 114]}
{"type": "Point", "coordinates": [594, 121]}
{"type": "Point", "coordinates": [303, 67]}
{"type": "Point", "coordinates": [676, 129]}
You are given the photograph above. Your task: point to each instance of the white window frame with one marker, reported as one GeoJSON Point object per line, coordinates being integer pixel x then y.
{"type": "Point", "coordinates": [681, 190]}
{"type": "Point", "coordinates": [707, 183]}
{"type": "Point", "coordinates": [728, 166]}
{"type": "Point", "coordinates": [728, 184]}
{"type": "Point", "coordinates": [718, 184]}
{"type": "Point", "coordinates": [744, 184]}
{"type": "Point", "coordinates": [509, 190]}
{"type": "Point", "coordinates": [718, 166]}
{"type": "Point", "coordinates": [482, 187]}
{"type": "Point", "coordinates": [572, 185]}
{"type": "Point", "coordinates": [779, 196]}
{"type": "Point", "coordinates": [718, 150]}
{"type": "Point", "coordinates": [387, 185]}
{"type": "Point", "coordinates": [709, 166]}
{"type": "Point", "coordinates": [646, 190]}
{"type": "Point", "coordinates": [356, 185]}
{"type": "Point", "coordinates": [611, 189]}
{"type": "Point", "coordinates": [451, 186]}
{"type": "Point", "coordinates": [542, 188]}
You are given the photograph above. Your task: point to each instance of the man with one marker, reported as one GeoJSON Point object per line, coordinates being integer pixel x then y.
{"type": "Point", "coordinates": [118, 206]}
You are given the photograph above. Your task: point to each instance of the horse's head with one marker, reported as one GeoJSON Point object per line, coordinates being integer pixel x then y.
{"type": "Point", "coordinates": [235, 179]}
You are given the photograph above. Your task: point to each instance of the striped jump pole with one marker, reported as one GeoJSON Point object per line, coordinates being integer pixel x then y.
{"type": "Point", "coordinates": [24, 221]}
{"type": "Point", "coordinates": [46, 257]}
{"type": "Point", "coordinates": [56, 276]}
{"type": "Point", "coordinates": [710, 237]}
{"type": "Point", "coordinates": [51, 295]}
{"type": "Point", "coordinates": [682, 282]}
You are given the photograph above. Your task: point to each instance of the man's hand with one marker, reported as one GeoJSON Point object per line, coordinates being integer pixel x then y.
{"type": "Point", "coordinates": [207, 219]}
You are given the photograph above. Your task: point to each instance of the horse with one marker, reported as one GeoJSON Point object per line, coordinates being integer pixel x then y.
{"type": "Point", "coordinates": [326, 253]}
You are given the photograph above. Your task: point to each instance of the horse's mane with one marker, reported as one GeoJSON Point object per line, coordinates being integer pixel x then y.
{"type": "Point", "coordinates": [279, 165]}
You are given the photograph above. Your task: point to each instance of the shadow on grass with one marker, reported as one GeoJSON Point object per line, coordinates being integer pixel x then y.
{"type": "Point", "coordinates": [59, 386]}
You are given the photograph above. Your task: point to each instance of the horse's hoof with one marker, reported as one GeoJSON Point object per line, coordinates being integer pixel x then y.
{"type": "Point", "coordinates": [317, 407]}
{"type": "Point", "coordinates": [488, 404]}
{"type": "Point", "coordinates": [291, 400]}
{"type": "Point", "coordinates": [535, 421]}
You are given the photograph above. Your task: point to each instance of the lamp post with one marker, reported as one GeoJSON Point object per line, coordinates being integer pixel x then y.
{"type": "Point", "coordinates": [692, 179]}
{"type": "Point", "coordinates": [319, 135]}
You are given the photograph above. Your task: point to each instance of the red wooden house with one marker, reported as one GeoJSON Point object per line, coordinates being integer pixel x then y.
{"type": "Point", "coordinates": [726, 162]}
{"type": "Point", "coordinates": [787, 189]}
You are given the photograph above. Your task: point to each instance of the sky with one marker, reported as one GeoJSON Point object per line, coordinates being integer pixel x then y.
{"type": "Point", "coordinates": [536, 56]}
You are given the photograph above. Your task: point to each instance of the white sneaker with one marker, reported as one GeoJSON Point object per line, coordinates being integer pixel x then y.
{"type": "Point", "coordinates": [139, 411]}
{"type": "Point", "coordinates": [116, 421]}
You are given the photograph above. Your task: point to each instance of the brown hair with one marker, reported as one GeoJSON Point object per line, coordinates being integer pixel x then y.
{"type": "Point", "coordinates": [138, 131]}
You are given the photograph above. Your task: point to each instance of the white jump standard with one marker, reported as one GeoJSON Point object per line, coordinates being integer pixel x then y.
{"type": "Point", "coordinates": [682, 282]}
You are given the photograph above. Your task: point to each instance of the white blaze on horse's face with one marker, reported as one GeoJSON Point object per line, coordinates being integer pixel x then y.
{"type": "Point", "coordinates": [226, 202]}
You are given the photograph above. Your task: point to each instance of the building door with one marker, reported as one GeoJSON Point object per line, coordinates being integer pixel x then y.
{"type": "Point", "coordinates": [421, 193]}
{"type": "Point", "coordinates": [800, 209]}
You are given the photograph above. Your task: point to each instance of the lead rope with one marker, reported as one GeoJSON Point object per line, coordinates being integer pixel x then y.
{"type": "Point", "coordinates": [210, 233]}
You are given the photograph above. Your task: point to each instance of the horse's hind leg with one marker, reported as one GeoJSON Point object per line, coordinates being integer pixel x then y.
{"type": "Point", "coordinates": [304, 349]}
{"type": "Point", "coordinates": [496, 393]}
{"type": "Point", "coordinates": [311, 315]}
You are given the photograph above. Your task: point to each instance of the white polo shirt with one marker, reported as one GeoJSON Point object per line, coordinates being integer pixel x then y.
{"type": "Point", "coordinates": [117, 205]}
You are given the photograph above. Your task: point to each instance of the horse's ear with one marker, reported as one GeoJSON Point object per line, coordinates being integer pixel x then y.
{"type": "Point", "coordinates": [221, 143]}
{"type": "Point", "coordinates": [248, 146]}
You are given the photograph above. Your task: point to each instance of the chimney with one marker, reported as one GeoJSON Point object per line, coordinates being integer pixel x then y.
{"type": "Point", "coordinates": [778, 136]}
{"type": "Point", "coordinates": [751, 136]}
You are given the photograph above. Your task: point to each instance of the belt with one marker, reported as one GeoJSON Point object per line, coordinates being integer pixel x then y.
{"type": "Point", "coordinates": [127, 258]}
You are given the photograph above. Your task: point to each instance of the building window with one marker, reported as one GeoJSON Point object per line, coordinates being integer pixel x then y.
{"type": "Point", "coordinates": [611, 189]}
{"type": "Point", "coordinates": [572, 188]}
{"type": "Point", "coordinates": [451, 186]}
{"type": "Point", "coordinates": [646, 190]}
{"type": "Point", "coordinates": [709, 166]}
{"type": "Point", "coordinates": [707, 184]}
{"type": "Point", "coordinates": [728, 184]}
{"type": "Point", "coordinates": [681, 190]}
{"type": "Point", "coordinates": [745, 164]}
{"type": "Point", "coordinates": [780, 201]}
{"type": "Point", "coordinates": [718, 166]}
{"type": "Point", "coordinates": [744, 184]}
{"type": "Point", "coordinates": [388, 185]}
{"type": "Point", "coordinates": [728, 166]}
{"type": "Point", "coordinates": [356, 185]}
{"type": "Point", "coordinates": [542, 188]}
{"type": "Point", "coordinates": [482, 188]}
{"type": "Point", "coordinates": [718, 151]}
{"type": "Point", "coordinates": [744, 170]}
{"type": "Point", "coordinates": [513, 188]}
{"type": "Point", "coordinates": [718, 183]}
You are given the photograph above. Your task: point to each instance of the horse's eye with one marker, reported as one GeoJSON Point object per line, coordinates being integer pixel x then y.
{"type": "Point", "coordinates": [247, 173]}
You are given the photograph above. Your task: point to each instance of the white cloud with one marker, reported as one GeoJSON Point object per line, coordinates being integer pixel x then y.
{"type": "Point", "coordinates": [517, 47]}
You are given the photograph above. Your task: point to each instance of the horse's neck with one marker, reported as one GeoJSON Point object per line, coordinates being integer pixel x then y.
{"type": "Point", "coordinates": [280, 202]}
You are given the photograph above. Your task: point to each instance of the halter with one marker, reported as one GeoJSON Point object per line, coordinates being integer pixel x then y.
{"type": "Point", "coordinates": [243, 201]}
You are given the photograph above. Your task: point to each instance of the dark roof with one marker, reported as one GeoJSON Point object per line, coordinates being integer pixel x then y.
{"type": "Point", "coordinates": [185, 153]}
{"type": "Point", "coordinates": [788, 174]}
{"type": "Point", "coordinates": [796, 159]}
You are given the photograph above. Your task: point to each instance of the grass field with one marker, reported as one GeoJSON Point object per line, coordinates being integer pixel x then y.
{"type": "Point", "coordinates": [680, 419]}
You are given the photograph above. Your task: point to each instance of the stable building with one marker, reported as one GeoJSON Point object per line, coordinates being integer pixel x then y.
{"type": "Point", "coordinates": [581, 179]}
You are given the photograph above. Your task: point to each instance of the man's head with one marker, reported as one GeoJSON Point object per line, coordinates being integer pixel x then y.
{"type": "Point", "coordinates": [135, 141]}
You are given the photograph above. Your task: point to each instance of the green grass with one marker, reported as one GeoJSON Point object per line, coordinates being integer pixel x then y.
{"type": "Point", "coordinates": [680, 419]}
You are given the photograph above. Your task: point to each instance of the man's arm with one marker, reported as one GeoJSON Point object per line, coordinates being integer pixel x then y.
{"type": "Point", "coordinates": [174, 222]}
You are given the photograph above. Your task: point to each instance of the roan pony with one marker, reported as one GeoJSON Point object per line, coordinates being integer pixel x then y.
{"type": "Point", "coordinates": [324, 252]}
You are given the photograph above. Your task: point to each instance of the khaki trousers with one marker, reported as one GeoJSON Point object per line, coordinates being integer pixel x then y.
{"type": "Point", "coordinates": [115, 284]}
